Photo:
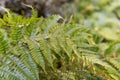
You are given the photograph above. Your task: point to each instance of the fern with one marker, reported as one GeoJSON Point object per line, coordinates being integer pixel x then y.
{"type": "Point", "coordinates": [19, 70]}
{"type": "Point", "coordinates": [36, 53]}
{"type": "Point", "coordinates": [37, 48]}
{"type": "Point", "coordinates": [4, 45]}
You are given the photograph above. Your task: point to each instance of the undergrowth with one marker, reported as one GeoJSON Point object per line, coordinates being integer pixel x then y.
{"type": "Point", "coordinates": [44, 49]}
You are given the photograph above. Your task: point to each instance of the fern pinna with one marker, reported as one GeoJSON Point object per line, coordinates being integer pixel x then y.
{"type": "Point", "coordinates": [43, 49]}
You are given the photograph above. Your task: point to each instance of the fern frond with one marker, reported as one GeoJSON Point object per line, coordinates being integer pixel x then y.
{"type": "Point", "coordinates": [114, 63]}
{"type": "Point", "coordinates": [3, 42]}
{"type": "Point", "coordinates": [21, 68]}
{"type": "Point", "coordinates": [45, 50]}
{"type": "Point", "coordinates": [36, 53]}
{"type": "Point", "coordinates": [27, 59]}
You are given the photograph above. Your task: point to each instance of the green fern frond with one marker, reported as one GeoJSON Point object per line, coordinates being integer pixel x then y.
{"type": "Point", "coordinates": [113, 62]}
{"type": "Point", "coordinates": [113, 48]}
{"type": "Point", "coordinates": [17, 70]}
{"type": "Point", "coordinates": [36, 53]}
{"type": "Point", "coordinates": [45, 50]}
{"type": "Point", "coordinates": [4, 46]}
{"type": "Point", "coordinates": [30, 64]}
